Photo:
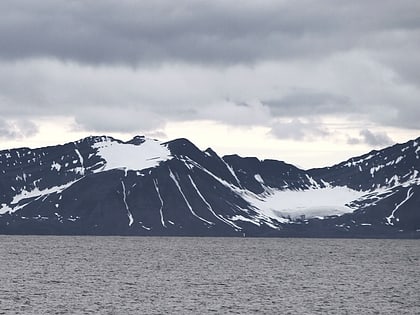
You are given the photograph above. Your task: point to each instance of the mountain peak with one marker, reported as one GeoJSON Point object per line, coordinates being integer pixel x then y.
{"type": "Point", "coordinates": [137, 140]}
{"type": "Point", "coordinates": [101, 185]}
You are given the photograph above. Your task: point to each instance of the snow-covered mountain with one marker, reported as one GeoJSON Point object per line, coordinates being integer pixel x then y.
{"type": "Point", "coordinates": [101, 185]}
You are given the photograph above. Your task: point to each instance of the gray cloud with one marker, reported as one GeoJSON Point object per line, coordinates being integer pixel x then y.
{"type": "Point", "coordinates": [303, 103]}
{"type": "Point", "coordinates": [221, 32]}
{"type": "Point", "coordinates": [17, 129]}
{"type": "Point", "coordinates": [299, 130]}
{"type": "Point", "coordinates": [374, 139]}
{"type": "Point", "coordinates": [157, 134]}
{"type": "Point", "coordinates": [133, 66]}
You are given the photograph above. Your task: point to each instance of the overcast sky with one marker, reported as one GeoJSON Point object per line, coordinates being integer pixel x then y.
{"type": "Point", "coordinates": [309, 82]}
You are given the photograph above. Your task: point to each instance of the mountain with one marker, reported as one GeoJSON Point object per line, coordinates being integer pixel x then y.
{"type": "Point", "coordinates": [104, 186]}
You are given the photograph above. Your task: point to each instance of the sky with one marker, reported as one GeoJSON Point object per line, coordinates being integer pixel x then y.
{"type": "Point", "coordinates": [312, 83]}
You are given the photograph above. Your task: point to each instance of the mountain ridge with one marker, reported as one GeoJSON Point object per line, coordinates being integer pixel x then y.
{"type": "Point", "coordinates": [100, 185]}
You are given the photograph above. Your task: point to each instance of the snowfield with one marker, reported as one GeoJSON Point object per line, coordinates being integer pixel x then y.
{"type": "Point", "coordinates": [132, 157]}
{"type": "Point", "coordinates": [311, 203]}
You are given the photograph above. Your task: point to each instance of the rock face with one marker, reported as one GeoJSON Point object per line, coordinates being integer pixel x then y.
{"type": "Point", "coordinates": [103, 186]}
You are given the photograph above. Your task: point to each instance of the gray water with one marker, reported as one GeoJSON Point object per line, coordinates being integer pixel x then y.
{"type": "Point", "coordinates": [144, 275]}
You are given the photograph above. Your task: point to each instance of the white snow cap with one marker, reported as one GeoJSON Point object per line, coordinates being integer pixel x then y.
{"type": "Point", "coordinates": [126, 156]}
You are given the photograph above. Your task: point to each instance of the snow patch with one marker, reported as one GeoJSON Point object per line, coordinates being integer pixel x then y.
{"type": "Point", "coordinates": [242, 218]}
{"type": "Point", "coordinates": [394, 181]}
{"type": "Point", "coordinates": [56, 166]}
{"type": "Point", "coordinates": [35, 193]}
{"type": "Point", "coordinates": [80, 170]}
{"type": "Point", "coordinates": [131, 157]}
{"type": "Point", "coordinates": [314, 184]}
{"type": "Point", "coordinates": [399, 159]}
{"type": "Point", "coordinates": [375, 169]}
{"type": "Point", "coordinates": [259, 179]}
{"type": "Point", "coordinates": [325, 183]}
{"type": "Point", "coordinates": [309, 203]}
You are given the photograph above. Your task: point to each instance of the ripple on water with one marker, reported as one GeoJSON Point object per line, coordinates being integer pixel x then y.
{"type": "Point", "coordinates": [134, 275]}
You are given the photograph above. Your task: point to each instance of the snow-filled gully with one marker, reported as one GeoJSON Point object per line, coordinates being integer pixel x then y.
{"type": "Point", "coordinates": [129, 214]}
{"type": "Point", "coordinates": [82, 169]}
{"type": "Point", "coordinates": [172, 176]}
{"type": "Point", "coordinates": [389, 218]}
{"type": "Point", "coordinates": [155, 182]}
{"type": "Point", "coordinates": [210, 207]}
{"type": "Point", "coordinates": [232, 172]}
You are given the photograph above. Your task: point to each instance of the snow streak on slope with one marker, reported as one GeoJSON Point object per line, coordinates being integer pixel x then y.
{"type": "Point", "coordinates": [155, 182]}
{"type": "Point", "coordinates": [80, 170]}
{"type": "Point", "coordinates": [232, 172]}
{"type": "Point", "coordinates": [36, 193]}
{"type": "Point", "coordinates": [281, 205]}
{"type": "Point", "coordinates": [389, 219]}
{"type": "Point", "coordinates": [255, 219]}
{"type": "Point", "coordinates": [209, 206]}
{"type": "Point", "coordinates": [310, 203]}
{"type": "Point", "coordinates": [132, 157]}
{"type": "Point", "coordinates": [172, 176]}
{"type": "Point", "coordinates": [130, 216]}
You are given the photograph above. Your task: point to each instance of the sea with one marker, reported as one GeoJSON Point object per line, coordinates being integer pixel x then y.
{"type": "Point", "coordinates": [200, 275]}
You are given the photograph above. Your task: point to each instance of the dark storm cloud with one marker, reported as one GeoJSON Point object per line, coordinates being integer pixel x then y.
{"type": "Point", "coordinates": [205, 32]}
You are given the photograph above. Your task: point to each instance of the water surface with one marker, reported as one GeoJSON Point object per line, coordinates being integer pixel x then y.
{"type": "Point", "coordinates": [160, 275]}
